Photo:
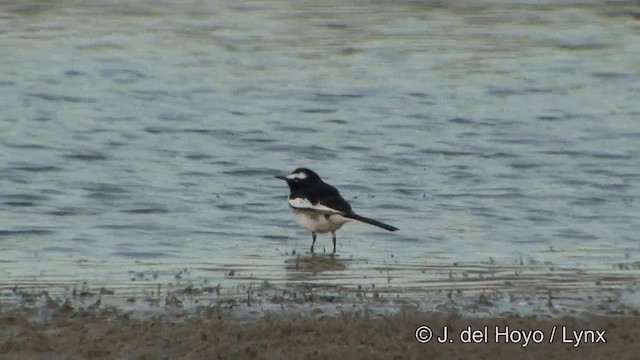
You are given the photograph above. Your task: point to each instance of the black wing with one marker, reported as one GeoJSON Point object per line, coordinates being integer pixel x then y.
{"type": "Point", "coordinates": [329, 196]}
{"type": "Point", "coordinates": [337, 203]}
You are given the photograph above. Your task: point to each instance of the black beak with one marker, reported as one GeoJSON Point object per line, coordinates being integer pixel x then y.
{"type": "Point", "coordinates": [281, 177]}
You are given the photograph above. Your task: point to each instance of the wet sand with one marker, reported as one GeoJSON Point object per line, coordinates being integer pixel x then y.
{"type": "Point", "coordinates": [214, 332]}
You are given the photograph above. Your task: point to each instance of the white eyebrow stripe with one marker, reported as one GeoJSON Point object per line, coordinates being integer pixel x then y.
{"type": "Point", "coordinates": [304, 204]}
{"type": "Point", "coordinates": [298, 175]}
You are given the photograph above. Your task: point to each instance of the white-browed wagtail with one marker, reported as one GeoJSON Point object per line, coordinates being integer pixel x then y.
{"type": "Point", "coordinates": [318, 206]}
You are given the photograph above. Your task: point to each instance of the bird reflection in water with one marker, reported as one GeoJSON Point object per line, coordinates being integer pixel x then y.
{"type": "Point", "coordinates": [313, 263]}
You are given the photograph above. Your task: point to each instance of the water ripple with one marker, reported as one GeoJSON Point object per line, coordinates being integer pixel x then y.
{"type": "Point", "coordinates": [87, 156]}
{"type": "Point", "coordinates": [26, 232]}
{"type": "Point", "coordinates": [145, 211]}
{"type": "Point", "coordinates": [62, 98]}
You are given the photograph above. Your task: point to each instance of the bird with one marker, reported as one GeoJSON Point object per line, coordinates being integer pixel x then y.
{"type": "Point", "coordinates": [319, 207]}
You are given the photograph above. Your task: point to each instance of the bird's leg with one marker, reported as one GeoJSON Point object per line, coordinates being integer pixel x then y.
{"type": "Point", "coordinates": [313, 235]}
{"type": "Point", "coordinates": [333, 238]}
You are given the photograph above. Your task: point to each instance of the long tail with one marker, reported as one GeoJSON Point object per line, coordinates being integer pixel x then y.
{"type": "Point", "coordinates": [369, 221]}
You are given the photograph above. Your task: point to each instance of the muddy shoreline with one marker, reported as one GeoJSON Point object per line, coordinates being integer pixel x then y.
{"type": "Point", "coordinates": [271, 321]}
{"type": "Point", "coordinates": [66, 332]}
{"type": "Point", "coordinates": [593, 314]}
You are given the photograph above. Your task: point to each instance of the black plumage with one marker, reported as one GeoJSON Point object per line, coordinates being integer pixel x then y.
{"type": "Point", "coordinates": [311, 197]}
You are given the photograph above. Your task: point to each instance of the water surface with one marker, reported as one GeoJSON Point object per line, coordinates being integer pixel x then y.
{"type": "Point", "coordinates": [139, 143]}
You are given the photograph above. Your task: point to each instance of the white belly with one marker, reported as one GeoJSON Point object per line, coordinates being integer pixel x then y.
{"type": "Point", "coordinates": [318, 222]}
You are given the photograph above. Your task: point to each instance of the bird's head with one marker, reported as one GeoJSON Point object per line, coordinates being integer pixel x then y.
{"type": "Point", "coordinates": [300, 177]}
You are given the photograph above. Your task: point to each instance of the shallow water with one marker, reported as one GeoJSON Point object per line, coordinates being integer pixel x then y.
{"type": "Point", "coordinates": [139, 143]}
